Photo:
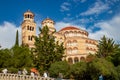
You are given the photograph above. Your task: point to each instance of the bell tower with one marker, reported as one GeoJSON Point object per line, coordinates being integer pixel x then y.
{"type": "Point", "coordinates": [49, 23]}
{"type": "Point", "coordinates": [28, 29]}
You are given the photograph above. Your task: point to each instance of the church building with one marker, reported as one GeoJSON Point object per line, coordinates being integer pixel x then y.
{"type": "Point", "coordinates": [75, 40]}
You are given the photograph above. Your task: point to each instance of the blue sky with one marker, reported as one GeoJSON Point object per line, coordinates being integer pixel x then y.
{"type": "Point", "coordinates": [98, 17]}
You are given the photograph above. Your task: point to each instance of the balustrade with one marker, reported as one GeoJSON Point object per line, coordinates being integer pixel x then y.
{"type": "Point", "coordinates": [9, 76]}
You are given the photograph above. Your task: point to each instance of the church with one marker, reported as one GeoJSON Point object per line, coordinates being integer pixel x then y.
{"type": "Point", "coordinates": [75, 40]}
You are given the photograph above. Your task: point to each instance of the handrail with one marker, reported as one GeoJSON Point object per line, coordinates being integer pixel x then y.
{"type": "Point", "coordinates": [10, 76]}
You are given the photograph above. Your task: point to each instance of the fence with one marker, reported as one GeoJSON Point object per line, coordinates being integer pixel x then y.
{"type": "Point", "coordinates": [9, 76]}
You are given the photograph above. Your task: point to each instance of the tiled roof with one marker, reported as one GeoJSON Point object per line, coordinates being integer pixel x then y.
{"type": "Point", "coordinates": [70, 28]}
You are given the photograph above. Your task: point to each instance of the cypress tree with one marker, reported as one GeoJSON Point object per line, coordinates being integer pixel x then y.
{"type": "Point", "coordinates": [17, 40]}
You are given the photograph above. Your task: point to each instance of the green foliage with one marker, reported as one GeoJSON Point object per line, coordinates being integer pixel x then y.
{"type": "Point", "coordinates": [116, 58]}
{"type": "Point", "coordinates": [79, 71]}
{"type": "Point", "coordinates": [12, 70]}
{"type": "Point", "coordinates": [17, 39]}
{"type": "Point", "coordinates": [107, 47]}
{"type": "Point", "coordinates": [22, 57]}
{"type": "Point", "coordinates": [46, 51]}
{"type": "Point", "coordinates": [118, 71]}
{"type": "Point", "coordinates": [4, 58]}
{"type": "Point", "coordinates": [59, 67]}
{"type": "Point", "coordinates": [15, 58]}
{"type": "Point", "coordinates": [101, 66]}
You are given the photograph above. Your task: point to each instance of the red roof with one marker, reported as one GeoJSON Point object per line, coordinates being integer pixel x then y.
{"type": "Point", "coordinates": [69, 28]}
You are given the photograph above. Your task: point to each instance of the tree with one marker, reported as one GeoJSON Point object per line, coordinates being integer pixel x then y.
{"type": "Point", "coordinates": [4, 58]}
{"type": "Point", "coordinates": [21, 56]}
{"type": "Point", "coordinates": [116, 58]}
{"type": "Point", "coordinates": [106, 47]}
{"type": "Point", "coordinates": [61, 67]}
{"type": "Point", "coordinates": [118, 71]}
{"type": "Point", "coordinates": [17, 39]}
{"type": "Point", "coordinates": [79, 71]}
{"type": "Point", "coordinates": [101, 66]}
{"type": "Point", "coordinates": [46, 50]}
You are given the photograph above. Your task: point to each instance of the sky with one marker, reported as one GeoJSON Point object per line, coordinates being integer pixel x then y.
{"type": "Point", "coordinates": [98, 17]}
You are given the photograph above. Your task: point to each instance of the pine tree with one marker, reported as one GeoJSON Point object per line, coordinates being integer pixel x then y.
{"type": "Point", "coordinates": [107, 47]}
{"type": "Point", "coordinates": [47, 51]}
{"type": "Point", "coordinates": [17, 39]}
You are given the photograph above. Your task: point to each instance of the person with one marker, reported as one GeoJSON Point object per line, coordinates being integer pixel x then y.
{"type": "Point", "coordinates": [24, 71]}
{"type": "Point", "coordinates": [101, 77]}
{"type": "Point", "coordinates": [32, 74]}
{"type": "Point", "coordinates": [45, 74]}
{"type": "Point", "coordinates": [19, 72]}
{"type": "Point", "coordinates": [4, 71]}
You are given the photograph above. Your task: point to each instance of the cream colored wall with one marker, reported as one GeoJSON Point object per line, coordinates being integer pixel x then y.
{"type": "Point", "coordinates": [81, 44]}
{"type": "Point", "coordinates": [26, 32]}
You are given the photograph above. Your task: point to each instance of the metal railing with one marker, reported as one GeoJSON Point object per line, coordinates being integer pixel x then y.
{"type": "Point", "coordinates": [10, 76]}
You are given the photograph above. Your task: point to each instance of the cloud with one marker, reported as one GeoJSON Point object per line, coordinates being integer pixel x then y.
{"type": "Point", "coordinates": [82, 1]}
{"type": "Point", "coordinates": [8, 34]}
{"type": "Point", "coordinates": [97, 8]}
{"type": "Point", "coordinates": [110, 29]}
{"type": "Point", "coordinates": [65, 6]}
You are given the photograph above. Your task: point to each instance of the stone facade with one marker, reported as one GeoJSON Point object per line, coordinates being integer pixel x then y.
{"type": "Point", "coordinates": [28, 29]}
{"type": "Point", "coordinates": [76, 40]}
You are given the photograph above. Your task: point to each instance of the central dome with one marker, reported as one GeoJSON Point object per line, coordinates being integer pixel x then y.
{"type": "Point", "coordinates": [70, 28]}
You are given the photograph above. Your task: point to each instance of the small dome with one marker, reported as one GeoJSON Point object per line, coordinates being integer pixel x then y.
{"type": "Point", "coordinates": [28, 12]}
{"type": "Point", "coordinates": [48, 20]}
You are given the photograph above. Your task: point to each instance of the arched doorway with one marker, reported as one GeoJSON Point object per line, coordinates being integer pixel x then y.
{"type": "Point", "coordinates": [76, 59]}
{"type": "Point", "coordinates": [70, 60]}
{"type": "Point", "coordinates": [82, 59]}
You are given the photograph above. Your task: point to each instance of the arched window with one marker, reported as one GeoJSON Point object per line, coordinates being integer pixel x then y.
{"type": "Point", "coordinates": [75, 42]}
{"type": "Point", "coordinates": [82, 59]}
{"type": "Point", "coordinates": [29, 38]}
{"type": "Point", "coordinates": [69, 51]}
{"type": "Point", "coordinates": [28, 15]}
{"type": "Point", "coordinates": [27, 27]}
{"type": "Point", "coordinates": [75, 33]}
{"type": "Point", "coordinates": [31, 16]}
{"type": "Point", "coordinates": [66, 33]}
{"type": "Point", "coordinates": [25, 16]}
{"type": "Point", "coordinates": [75, 50]}
{"type": "Point", "coordinates": [76, 59]}
{"type": "Point", "coordinates": [32, 28]}
{"type": "Point", "coordinates": [70, 34]}
{"type": "Point", "coordinates": [69, 43]}
{"type": "Point", "coordinates": [70, 60]}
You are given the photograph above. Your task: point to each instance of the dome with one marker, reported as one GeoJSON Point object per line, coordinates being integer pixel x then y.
{"type": "Point", "coordinates": [28, 12]}
{"type": "Point", "coordinates": [47, 20]}
{"type": "Point", "coordinates": [70, 28]}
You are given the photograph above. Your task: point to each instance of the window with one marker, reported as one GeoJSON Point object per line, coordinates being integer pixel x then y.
{"type": "Point", "coordinates": [30, 38]}
{"type": "Point", "coordinates": [82, 59]}
{"type": "Point", "coordinates": [70, 60]}
{"type": "Point", "coordinates": [28, 15]}
{"type": "Point", "coordinates": [27, 27]}
{"type": "Point", "coordinates": [76, 60]}
{"type": "Point", "coordinates": [32, 28]}
{"type": "Point", "coordinates": [25, 16]}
